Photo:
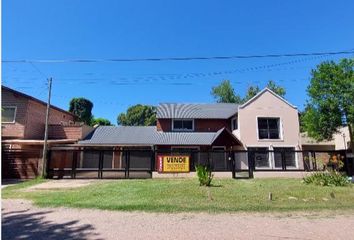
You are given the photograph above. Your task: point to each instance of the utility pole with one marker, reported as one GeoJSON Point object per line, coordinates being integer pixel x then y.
{"type": "Point", "coordinates": [44, 160]}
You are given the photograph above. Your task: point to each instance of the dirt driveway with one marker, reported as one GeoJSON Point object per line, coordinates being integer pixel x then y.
{"type": "Point", "coordinates": [20, 219]}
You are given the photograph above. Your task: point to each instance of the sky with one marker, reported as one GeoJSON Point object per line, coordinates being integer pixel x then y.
{"type": "Point", "coordinates": [72, 29]}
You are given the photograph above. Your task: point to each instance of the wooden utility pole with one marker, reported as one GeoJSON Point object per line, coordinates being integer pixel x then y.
{"type": "Point", "coordinates": [44, 160]}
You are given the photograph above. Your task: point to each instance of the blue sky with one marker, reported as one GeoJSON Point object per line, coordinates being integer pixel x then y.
{"type": "Point", "coordinates": [141, 29]}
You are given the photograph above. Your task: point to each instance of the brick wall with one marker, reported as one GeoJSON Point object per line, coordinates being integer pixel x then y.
{"type": "Point", "coordinates": [17, 129]}
{"type": "Point", "coordinates": [164, 125]}
{"type": "Point", "coordinates": [211, 125]}
{"type": "Point", "coordinates": [30, 116]}
{"type": "Point", "coordinates": [200, 125]}
{"type": "Point", "coordinates": [36, 119]}
{"type": "Point", "coordinates": [59, 131]}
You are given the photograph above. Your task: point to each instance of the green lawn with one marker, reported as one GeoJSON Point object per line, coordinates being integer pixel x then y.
{"type": "Point", "coordinates": [185, 195]}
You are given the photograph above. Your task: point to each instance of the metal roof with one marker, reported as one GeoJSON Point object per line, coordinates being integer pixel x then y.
{"type": "Point", "coordinates": [129, 135]}
{"type": "Point", "coordinates": [197, 110]}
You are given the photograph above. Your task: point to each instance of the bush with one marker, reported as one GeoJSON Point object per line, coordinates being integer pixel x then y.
{"type": "Point", "coordinates": [330, 178]}
{"type": "Point", "coordinates": [204, 174]}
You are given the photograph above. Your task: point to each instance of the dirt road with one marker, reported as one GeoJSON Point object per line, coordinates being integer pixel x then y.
{"type": "Point", "coordinates": [20, 219]}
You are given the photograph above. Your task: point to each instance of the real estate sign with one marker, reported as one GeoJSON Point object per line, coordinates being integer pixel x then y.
{"type": "Point", "coordinates": [173, 164]}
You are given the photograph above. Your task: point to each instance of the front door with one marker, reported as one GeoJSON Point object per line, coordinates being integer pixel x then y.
{"type": "Point", "coordinates": [219, 159]}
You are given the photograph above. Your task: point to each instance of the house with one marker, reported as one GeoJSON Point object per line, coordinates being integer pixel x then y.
{"type": "Point", "coordinates": [23, 124]}
{"type": "Point", "coordinates": [263, 131]}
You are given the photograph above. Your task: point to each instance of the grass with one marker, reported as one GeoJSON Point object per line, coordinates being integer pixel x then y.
{"type": "Point", "coordinates": [185, 195]}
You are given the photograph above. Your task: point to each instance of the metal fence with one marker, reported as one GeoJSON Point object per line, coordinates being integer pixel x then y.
{"type": "Point", "coordinates": [130, 163]}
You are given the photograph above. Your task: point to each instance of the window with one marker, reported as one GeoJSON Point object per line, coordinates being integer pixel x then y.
{"type": "Point", "coordinates": [183, 125]}
{"type": "Point", "coordinates": [260, 157]}
{"type": "Point", "coordinates": [289, 157]}
{"type": "Point", "coordinates": [8, 114]}
{"type": "Point", "coordinates": [234, 123]}
{"type": "Point", "coordinates": [268, 128]}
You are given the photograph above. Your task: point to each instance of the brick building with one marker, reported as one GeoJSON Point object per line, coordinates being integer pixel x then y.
{"type": "Point", "coordinates": [22, 128]}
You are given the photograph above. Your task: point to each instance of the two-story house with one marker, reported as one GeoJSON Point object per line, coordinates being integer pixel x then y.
{"type": "Point", "coordinates": [265, 123]}
{"type": "Point", "coordinates": [22, 131]}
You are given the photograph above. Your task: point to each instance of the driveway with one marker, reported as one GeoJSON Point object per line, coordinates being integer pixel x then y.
{"type": "Point", "coordinates": [22, 220]}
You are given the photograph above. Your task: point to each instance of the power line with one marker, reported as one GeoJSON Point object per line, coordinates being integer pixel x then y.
{"type": "Point", "coordinates": [176, 58]}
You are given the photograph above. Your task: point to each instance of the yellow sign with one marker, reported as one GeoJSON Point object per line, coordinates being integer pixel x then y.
{"type": "Point", "coordinates": [173, 164]}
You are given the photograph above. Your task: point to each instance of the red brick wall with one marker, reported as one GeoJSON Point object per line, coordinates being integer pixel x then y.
{"type": "Point", "coordinates": [59, 131]}
{"type": "Point", "coordinates": [36, 119]}
{"type": "Point", "coordinates": [30, 117]}
{"type": "Point", "coordinates": [211, 125]}
{"type": "Point", "coordinates": [164, 125]}
{"type": "Point", "coordinates": [17, 129]}
{"type": "Point", "coordinates": [200, 125]}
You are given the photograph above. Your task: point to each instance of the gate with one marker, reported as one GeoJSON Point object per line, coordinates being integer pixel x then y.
{"type": "Point", "coordinates": [20, 163]}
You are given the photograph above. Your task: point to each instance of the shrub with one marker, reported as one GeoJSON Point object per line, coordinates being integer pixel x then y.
{"type": "Point", "coordinates": [204, 174]}
{"type": "Point", "coordinates": [330, 178]}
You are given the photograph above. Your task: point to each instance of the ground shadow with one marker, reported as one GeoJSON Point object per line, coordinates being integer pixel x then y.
{"type": "Point", "coordinates": [29, 225]}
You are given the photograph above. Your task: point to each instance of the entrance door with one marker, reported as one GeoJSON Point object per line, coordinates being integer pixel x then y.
{"type": "Point", "coordinates": [219, 159]}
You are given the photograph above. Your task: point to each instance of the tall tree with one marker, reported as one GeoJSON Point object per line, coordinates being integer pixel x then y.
{"type": "Point", "coordinates": [100, 122]}
{"type": "Point", "coordinates": [138, 115]}
{"type": "Point", "coordinates": [253, 90]}
{"type": "Point", "coordinates": [224, 93]}
{"type": "Point", "coordinates": [81, 107]}
{"type": "Point", "coordinates": [331, 103]}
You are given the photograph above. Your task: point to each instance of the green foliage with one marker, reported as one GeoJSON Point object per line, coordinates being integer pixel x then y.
{"type": "Point", "coordinates": [100, 121]}
{"type": "Point", "coordinates": [204, 174]}
{"type": "Point", "coordinates": [224, 93]}
{"type": "Point", "coordinates": [138, 115]}
{"type": "Point", "coordinates": [330, 178]}
{"type": "Point", "coordinates": [251, 92]}
{"type": "Point", "coordinates": [331, 93]}
{"type": "Point", "coordinates": [81, 107]}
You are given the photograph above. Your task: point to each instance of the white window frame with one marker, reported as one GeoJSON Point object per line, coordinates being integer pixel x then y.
{"type": "Point", "coordinates": [280, 139]}
{"type": "Point", "coordinates": [14, 107]}
{"type": "Point", "coordinates": [270, 161]}
{"type": "Point", "coordinates": [182, 130]}
{"type": "Point", "coordinates": [232, 125]}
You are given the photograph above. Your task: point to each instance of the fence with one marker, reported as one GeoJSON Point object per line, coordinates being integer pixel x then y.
{"type": "Point", "coordinates": [20, 163]}
{"type": "Point", "coordinates": [108, 163]}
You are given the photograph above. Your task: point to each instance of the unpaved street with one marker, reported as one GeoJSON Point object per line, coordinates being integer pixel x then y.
{"type": "Point", "coordinates": [22, 220]}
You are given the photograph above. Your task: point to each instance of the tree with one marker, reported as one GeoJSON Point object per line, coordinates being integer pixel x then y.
{"type": "Point", "coordinates": [224, 93]}
{"type": "Point", "coordinates": [253, 90]}
{"type": "Point", "coordinates": [331, 103]}
{"type": "Point", "coordinates": [138, 115]}
{"type": "Point", "coordinates": [81, 107]}
{"type": "Point", "coordinates": [100, 122]}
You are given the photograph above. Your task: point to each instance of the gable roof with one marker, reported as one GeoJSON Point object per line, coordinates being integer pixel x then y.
{"type": "Point", "coordinates": [147, 136]}
{"type": "Point", "coordinates": [3, 88]}
{"type": "Point", "coordinates": [196, 110]}
{"type": "Point", "coordinates": [261, 93]}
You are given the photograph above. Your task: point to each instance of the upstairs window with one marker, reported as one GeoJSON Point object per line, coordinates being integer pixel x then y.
{"type": "Point", "coordinates": [8, 114]}
{"type": "Point", "coordinates": [268, 128]}
{"type": "Point", "coordinates": [183, 125]}
{"type": "Point", "coordinates": [234, 123]}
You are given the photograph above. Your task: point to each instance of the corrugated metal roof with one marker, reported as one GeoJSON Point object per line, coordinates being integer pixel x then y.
{"type": "Point", "coordinates": [197, 111]}
{"type": "Point", "coordinates": [124, 135]}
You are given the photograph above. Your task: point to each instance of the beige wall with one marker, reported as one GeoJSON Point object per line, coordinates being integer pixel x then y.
{"type": "Point", "coordinates": [268, 105]}
{"type": "Point", "coordinates": [339, 139]}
